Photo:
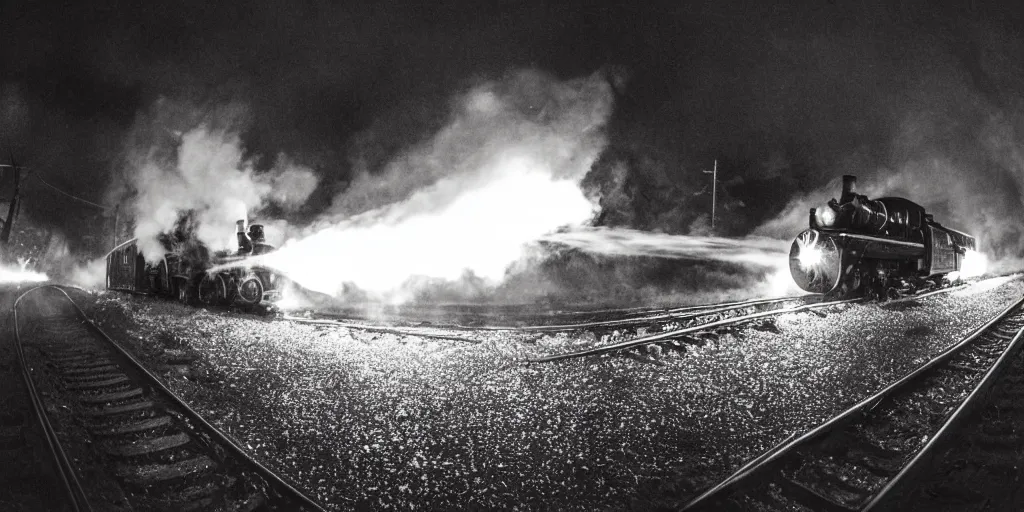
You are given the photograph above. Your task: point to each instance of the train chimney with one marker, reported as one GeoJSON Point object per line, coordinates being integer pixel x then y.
{"type": "Point", "coordinates": [256, 234]}
{"type": "Point", "coordinates": [849, 188]}
{"type": "Point", "coordinates": [244, 244]}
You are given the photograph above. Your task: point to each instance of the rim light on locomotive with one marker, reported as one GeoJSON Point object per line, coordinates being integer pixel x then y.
{"type": "Point", "coordinates": [825, 215]}
{"type": "Point", "coordinates": [879, 246]}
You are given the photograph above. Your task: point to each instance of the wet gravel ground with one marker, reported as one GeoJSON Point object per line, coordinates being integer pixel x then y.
{"type": "Point", "coordinates": [376, 421]}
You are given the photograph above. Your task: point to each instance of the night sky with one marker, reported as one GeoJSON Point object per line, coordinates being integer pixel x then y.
{"type": "Point", "coordinates": [787, 96]}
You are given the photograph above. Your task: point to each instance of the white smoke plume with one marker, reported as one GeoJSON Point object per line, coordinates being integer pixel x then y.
{"type": "Point", "coordinates": [208, 174]}
{"type": "Point", "coordinates": [629, 242]}
{"type": "Point", "coordinates": [90, 275]}
{"type": "Point", "coordinates": [504, 171]}
{"type": "Point", "coordinates": [761, 263]}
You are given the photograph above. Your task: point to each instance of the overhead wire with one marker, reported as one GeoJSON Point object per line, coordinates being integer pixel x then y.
{"type": "Point", "coordinates": [72, 196]}
{"type": "Point", "coordinates": [58, 190]}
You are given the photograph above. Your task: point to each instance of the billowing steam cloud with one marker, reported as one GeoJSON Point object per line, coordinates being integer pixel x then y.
{"type": "Point", "coordinates": [208, 175]}
{"type": "Point", "coordinates": [502, 172]}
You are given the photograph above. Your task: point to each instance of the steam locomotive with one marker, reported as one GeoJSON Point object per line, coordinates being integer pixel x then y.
{"type": "Point", "coordinates": [185, 273]}
{"type": "Point", "coordinates": [877, 247]}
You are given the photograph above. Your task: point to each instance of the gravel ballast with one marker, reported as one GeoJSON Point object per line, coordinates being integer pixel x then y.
{"type": "Point", "coordinates": [375, 421]}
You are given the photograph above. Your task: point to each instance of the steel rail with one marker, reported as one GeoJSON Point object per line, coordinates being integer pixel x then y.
{"type": "Point", "coordinates": [404, 331]}
{"type": "Point", "coordinates": [728, 321]}
{"type": "Point", "coordinates": [764, 462]}
{"type": "Point", "coordinates": [76, 495]}
{"type": "Point", "coordinates": [941, 436]}
{"type": "Point", "coordinates": [634, 315]}
{"type": "Point", "coordinates": [429, 332]}
{"type": "Point", "coordinates": [155, 381]}
{"type": "Point", "coordinates": [664, 314]}
{"type": "Point", "coordinates": [653, 338]}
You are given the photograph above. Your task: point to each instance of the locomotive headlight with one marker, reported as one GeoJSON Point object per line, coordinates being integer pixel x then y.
{"type": "Point", "coordinates": [809, 256]}
{"type": "Point", "coordinates": [826, 216]}
{"type": "Point", "coordinates": [809, 253]}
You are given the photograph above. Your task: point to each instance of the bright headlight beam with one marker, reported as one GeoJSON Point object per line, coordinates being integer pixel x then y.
{"type": "Point", "coordinates": [809, 256]}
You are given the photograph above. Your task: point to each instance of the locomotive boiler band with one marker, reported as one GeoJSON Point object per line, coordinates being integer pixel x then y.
{"type": "Point", "coordinates": [184, 271]}
{"type": "Point", "coordinates": [875, 246]}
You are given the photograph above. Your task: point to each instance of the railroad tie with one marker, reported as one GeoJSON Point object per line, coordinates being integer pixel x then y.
{"type": "Point", "coordinates": [96, 376]}
{"type": "Point", "coordinates": [150, 474]}
{"type": "Point", "coordinates": [92, 362]}
{"type": "Point", "coordinates": [106, 398]}
{"type": "Point", "coordinates": [146, 446]}
{"type": "Point", "coordinates": [99, 384]}
{"type": "Point", "coordinates": [75, 359]}
{"type": "Point", "coordinates": [827, 477]}
{"type": "Point", "coordinates": [766, 499]}
{"type": "Point", "coordinates": [195, 497]}
{"type": "Point", "coordinates": [88, 369]}
{"type": "Point", "coordinates": [965, 367]}
{"type": "Point", "coordinates": [134, 427]}
{"type": "Point", "coordinates": [808, 497]}
{"type": "Point", "coordinates": [120, 409]}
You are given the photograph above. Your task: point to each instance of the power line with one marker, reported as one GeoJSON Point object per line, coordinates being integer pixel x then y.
{"type": "Point", "coordinates": [72, 196]}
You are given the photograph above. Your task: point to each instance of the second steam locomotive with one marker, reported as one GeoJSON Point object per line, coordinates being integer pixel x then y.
{"type": "Point", "coordinates": [877, 247]}
{"type": "Point", "coordinates": [189, 272]}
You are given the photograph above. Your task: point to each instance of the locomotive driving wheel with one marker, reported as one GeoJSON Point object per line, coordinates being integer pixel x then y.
{"type": "Point", "coordinates": [212, 290]}
{"type": "Point", "coordinates": [250, 290]}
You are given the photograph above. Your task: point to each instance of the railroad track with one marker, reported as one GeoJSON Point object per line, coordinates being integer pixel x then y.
{"type": "Point", "coordinates": [865, 457]}
{"type": "Point", "coordinates": [619, 328]}
{"type": "Point", "coordinates": [637, 326]}
{"type": "Point", "coordinates": [981, 470]}
{"type": "Point", "coordinates": [687, 322]}
{"type": "Point", "coordinates": [662, 316]}
{"type": "Point", "coordinates": [674, 334]}
{"type": "Point", "coordinates": [579, 320]}
{"type": "Point", "coordinates": [159, 452]}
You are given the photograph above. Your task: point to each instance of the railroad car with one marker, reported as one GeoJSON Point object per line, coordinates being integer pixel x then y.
{"type": "Point", "coordinates": [878, 247]}
{"type": "Point", "coordinates": [185, 272]}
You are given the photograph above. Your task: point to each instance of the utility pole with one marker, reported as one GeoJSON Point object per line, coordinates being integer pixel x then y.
{"type": "Point", "coordinates": [5, 234]}
{"type": "Point", "coordinates": [117, 212]}
{"type": "Point", "coordinates": [714, 192]}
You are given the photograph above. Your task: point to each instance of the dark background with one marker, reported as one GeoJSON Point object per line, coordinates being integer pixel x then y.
{"type": "Point", "coordinates": [787, 96]}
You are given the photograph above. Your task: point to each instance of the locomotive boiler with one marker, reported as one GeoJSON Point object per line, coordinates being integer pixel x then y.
{"type": "Point", "coordinates": [186, 271]}
{"type": "Point", "coordinates": [874, 246]}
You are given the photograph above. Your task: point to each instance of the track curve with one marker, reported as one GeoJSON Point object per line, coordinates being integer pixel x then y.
{"type": "Point", "coordinates": [861, 457]}
{"type": "Point", "coordinates": [163, 454]}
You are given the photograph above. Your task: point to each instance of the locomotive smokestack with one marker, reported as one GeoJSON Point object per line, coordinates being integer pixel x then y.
{"type": "Point", "coordinates": [849, 188]}
{"type": "Point", "coordinates": [244, 244]}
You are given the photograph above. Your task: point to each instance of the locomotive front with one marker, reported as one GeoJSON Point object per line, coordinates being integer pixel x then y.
{"type": "Point", "coordinates": [881, 246]}
{"type": "Point", "coordinates": [237, 281]}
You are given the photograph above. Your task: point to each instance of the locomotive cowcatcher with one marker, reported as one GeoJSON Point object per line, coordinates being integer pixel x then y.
{"type": "Point", "coordinates": [878, 247]}
{"type": "Point", "coordinates": [185, 273]}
